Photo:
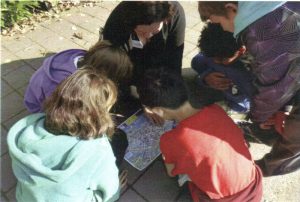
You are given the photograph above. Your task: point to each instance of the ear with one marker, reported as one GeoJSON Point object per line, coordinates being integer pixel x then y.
{"type": "Point", "coordinates": [231, 7]}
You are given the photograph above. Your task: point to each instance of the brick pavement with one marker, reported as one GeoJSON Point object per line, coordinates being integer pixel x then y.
{"type": "Point", "coordinates": [22, 55]}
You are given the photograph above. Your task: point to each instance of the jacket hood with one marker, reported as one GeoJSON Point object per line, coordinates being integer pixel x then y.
{"type": "Point", "coordinates": [249, 12]}
{"type": "Point", "coordinates": [59, 66]}
{"type": "Point", "coordinates": [38, 155]}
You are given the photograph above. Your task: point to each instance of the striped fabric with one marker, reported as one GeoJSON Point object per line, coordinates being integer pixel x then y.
{"type": "Point", "coordinates": [274, 42]}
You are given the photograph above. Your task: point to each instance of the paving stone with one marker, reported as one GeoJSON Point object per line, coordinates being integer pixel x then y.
{"type": "Point", "coordinates": [131, 196]}
{"type": "Point", "coordinates": [16, 43]}
{"type": "Point", "coordinates": [191, 21]}
{"type": "Point", "coordinates": [155, 185]}
{"type": "Point", "coordinates": [5, 88]}
{"type": "Point", "coordinates": [2, 198]}
{"type": "Point", "coordinates": [199, 26]}
{"type": "Point", "coordinates": [68, 29]}
{"type": "Point", "coordinates": [192, 35]}
{"type": "Point", "coordinates": [8, 179]}
{"type": "Point", "coordinates": [192, 54]}
{"type": "Point", "coordinates": [58, 43]}
{"type": "Point", "coordinates": [190, 8]}
{"type": "Point", "coordinates": [22, 90]}
{"type": "Point", "coordinates": [188, 47]}
{"type": "Point", "coordinates": [19, 77]}
{"type": "Point", "coordinates": [110, 5]}
{"type": "Point", "coordinates": [41, 33]}
{"type": "Point", "coordinates": [11, 195]}
{"type": "Point", "coordinates": [31, 52]}
{"type": "Point", "coordinates": [11, 105]}
{"type": "Point", "coordinates": [4, 148]}
{"type": "Point", "coordinates": [185, 195]}
{"type": "Point", "coordinates": [133, 173]}
{"type": "Point", "coordinates": [102, 15]}
{"type": "Point", "coordinates": [8, 123]}
{"type": "Point", "coordinates": [186, 63]}
{"type": "Point", "coordinates": [9, 62]}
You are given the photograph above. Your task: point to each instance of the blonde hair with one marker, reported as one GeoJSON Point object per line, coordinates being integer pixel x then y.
{"type": "Point", "coordinates": [108, 60]}
{"type": "Point", "coordinates": [80, 106]}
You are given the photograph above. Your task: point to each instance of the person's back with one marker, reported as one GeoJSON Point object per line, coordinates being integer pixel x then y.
{"type": "Point", "coordinates": [206, 145]}
{"type": "Point", "coordinates": [213, 153]}
{"type": "Point", "coordinates": [65, 155]}
{"type": "Point", "coordinates": [103, 56]}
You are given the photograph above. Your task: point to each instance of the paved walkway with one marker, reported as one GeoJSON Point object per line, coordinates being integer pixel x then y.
{"type": "Point", "coordinates": [22, 55]}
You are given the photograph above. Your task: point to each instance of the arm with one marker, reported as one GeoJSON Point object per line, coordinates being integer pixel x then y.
{"type": "Point", "coordinates": [114, 29]}
{"type": "Point", "coordinates": [175, 39]}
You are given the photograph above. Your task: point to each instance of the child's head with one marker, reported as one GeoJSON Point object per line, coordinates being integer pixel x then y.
{"type": "Point", "coordinates": [80, 105]}
{"type": "Point", "coordinates": [219, 44]}
{"type": "Point", "coordinates": [222, 12]}
{"type": "Point", "coordinates": [160, 89]}
{"type": "Point", "coordinates": [109, 60]}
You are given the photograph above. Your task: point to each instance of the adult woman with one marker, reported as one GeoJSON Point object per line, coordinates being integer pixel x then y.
{"type": "Point", "coordinates": [152, 32]}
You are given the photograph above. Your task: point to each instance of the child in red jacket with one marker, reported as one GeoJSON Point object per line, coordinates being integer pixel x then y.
{"type": "Point", "coordinates": [206, 145]}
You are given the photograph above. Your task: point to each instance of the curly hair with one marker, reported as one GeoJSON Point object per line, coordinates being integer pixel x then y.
{"type": "Point", "coordinates": [109, 60]}
{"type": "Point", "coordinates": [80, 106]}
{"type": "Point", "coordinates": [215, 42]}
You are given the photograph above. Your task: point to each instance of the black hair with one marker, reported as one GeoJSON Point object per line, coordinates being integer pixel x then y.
{"type": "Point", "coordinates": [128, 14]}
{"type": "Point", "coordinates": [161, 88]}
{"type": "Point", "coordinates": [215, 42]}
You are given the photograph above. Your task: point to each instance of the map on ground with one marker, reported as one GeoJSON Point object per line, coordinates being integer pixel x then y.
{"type": "Point", "coordinates": [143, 139]}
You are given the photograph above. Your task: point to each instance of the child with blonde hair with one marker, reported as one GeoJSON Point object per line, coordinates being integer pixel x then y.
{"type": "Point", "coordinates": [64, 154]}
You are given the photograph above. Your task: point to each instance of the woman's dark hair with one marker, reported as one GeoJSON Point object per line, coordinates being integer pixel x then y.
{"type": "Point", "coordinates": [215, 42]}
{"type": "Point", "coordinates": [160, 88]}
{"type": "Point", "coordinates": [128, 14]}
{"type": "Point", "coordinates": [147, 12]}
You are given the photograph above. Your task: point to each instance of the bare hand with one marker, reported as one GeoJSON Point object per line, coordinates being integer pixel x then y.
{"type": "Point", "coordinates": [218, 81]}
{"type": "Point", "coordinates": [154, 118]}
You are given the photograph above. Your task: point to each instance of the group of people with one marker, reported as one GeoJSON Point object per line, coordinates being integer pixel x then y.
{"type": "Point", "coordinates": [68, 149]}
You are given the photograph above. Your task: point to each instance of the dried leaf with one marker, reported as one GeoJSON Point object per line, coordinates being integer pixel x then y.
{"type": "Point", "coordinates": [78, 35]}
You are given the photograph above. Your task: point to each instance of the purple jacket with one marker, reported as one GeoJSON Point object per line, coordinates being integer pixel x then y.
{"type": "Point", "coordinates": [53, 71]}
{"type": "Point", "coordinates": [274, 42]}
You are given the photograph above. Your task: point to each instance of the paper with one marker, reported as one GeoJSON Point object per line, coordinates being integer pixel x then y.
{"type": "Point", "coordinates": [143, 139]}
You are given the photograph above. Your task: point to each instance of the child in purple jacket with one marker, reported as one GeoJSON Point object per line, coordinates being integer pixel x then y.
{"type": "Point", "coordinates": [103, 57]}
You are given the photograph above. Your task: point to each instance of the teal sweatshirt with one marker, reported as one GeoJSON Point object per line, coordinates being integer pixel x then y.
{"type": "Point", "coordinates": [60, 168]}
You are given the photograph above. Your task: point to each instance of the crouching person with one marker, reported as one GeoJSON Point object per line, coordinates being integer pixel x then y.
{"type": "Point", "coordinates": [64, 154]}
{"type": "Point", "coordinates": [206, 145]}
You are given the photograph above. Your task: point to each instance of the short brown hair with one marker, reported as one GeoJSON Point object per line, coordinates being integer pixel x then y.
{"type": "Point", "coordinates": [80, 106]}
{"type": "Point", "coordinates": [207, 8]}
{"type": "Point", "coordinates": [109, 60]}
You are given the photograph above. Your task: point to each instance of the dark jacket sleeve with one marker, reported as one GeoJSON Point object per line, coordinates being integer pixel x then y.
{"type": "Point", "coordinates": [175, 40]}
{"type": "Point", "coordinates": [114, 29]}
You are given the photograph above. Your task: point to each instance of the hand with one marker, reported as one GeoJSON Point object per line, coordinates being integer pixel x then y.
{"type": "Point", "coordinates": [267, 124]}
{"type": "Point", "coordinates": [277, 120]}
{"type": "Point", "coordinates": [154, 118]}
{"type": "Point", "coordinates": [218, 81]}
